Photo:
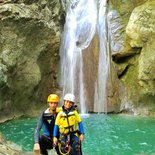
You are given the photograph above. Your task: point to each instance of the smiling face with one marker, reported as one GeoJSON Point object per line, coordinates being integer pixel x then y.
{"type": "Point", "coordinates": [68, 104]}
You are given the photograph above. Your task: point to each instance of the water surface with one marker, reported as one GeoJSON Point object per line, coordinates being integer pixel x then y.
{"type": "Point", "coordinates": [104, 134]}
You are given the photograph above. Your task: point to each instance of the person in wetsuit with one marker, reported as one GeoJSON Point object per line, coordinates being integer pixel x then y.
{"type": "Point", "coordinates": [44, 142]}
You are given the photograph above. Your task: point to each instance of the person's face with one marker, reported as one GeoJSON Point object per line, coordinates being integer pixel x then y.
{"type": "Point", "coordinates": [68, 104]}
{"type": "Point", "coordinates": [53, 105]}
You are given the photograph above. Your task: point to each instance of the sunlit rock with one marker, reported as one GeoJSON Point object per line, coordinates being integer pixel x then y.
{"type": "Point", "coordinates": [146, 74]}
{"type": "Point", "coordinates": [136, 62]}
{"type": "Point", "coordinates": [141, 24]}
{"type": "Point", "coordinates": [141, 31]}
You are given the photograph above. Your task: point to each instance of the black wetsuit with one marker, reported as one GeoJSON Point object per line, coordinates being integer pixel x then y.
{"type": "Point", "coordinates": [47, 121]}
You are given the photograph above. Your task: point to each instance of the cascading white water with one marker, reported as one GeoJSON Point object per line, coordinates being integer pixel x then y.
{"type": "Point", "coordinates": [100, 103]}
{"type": "Point", "coordinates": [79, 30]}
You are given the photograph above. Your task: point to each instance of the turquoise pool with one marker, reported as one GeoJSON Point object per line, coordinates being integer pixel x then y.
{"type": "Point", "coordinates": [104, 134]}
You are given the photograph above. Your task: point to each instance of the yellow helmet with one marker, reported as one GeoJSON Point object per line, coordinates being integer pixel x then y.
{"type": "Point", "coordinates": [53, 98]}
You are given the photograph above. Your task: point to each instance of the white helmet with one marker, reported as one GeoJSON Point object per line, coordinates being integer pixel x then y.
{"type": "Point", "coordinates": [69, 97]}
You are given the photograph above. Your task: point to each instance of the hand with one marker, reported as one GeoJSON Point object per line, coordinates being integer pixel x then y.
{"type": "Point", "coordinates": [36, 148]}
{"type": "Point", "coordinates": [81, 137]}
{"type": "Point", "coordinates": [55, 141]}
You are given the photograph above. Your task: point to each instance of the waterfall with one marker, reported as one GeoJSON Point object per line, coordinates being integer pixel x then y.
{"type": "Point", "coordinates": [100, 103]}
{"type": "Point", "coordinates": [80, 28]}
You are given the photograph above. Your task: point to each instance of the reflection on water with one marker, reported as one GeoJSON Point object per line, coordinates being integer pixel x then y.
{"type": "Point", "coordinates": [104, 134]}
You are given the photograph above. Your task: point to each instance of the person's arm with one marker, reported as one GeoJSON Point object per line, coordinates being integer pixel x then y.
{"type": "Point", "coordinates": [81, 128]}
{"type": "Point", "coordinates": [55, 134]}
{"type": "Point", "coordinates": [38, 128]}
{"type": "Point", "coordinates": [56, 129]}
{"type": "Point", "coordinates": [36, 134]}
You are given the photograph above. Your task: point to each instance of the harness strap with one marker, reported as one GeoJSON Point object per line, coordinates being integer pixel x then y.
{"type": "Point", "coordinates": [68, 115]}
{"type": "Point", "coordinates": [68, 123]}
{"type": "Point", "coordinates": [68, 127]}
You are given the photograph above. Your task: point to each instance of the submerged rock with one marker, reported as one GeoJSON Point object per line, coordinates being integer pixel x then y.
{"type": "Point", "coordinates": [9, 148]}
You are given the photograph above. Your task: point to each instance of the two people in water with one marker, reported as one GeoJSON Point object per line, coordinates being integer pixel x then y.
{"type": "Point", "coordinates": [63, 128]}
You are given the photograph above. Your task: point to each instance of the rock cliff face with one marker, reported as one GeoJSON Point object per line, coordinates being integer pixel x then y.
{"type": "Point", "coordinates": [29, 55]}
{"type": "Point", "coordinates": [29, 45]}
{"type": "Point", "coordinates": [136, 61]}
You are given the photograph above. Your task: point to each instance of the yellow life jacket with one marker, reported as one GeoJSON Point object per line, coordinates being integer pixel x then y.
{"type": "Point", "coordinates": [68, 122]}
{"type": "Point", "coordinates": [58, 109]}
